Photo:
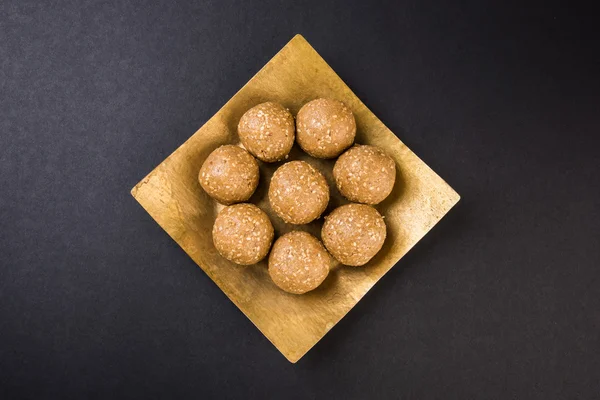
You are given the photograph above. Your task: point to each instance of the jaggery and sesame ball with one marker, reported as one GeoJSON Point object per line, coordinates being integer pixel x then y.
{"type": "Point", "coordinates": [325, 128]}
{"type": "Point", "coordinates": [354, 233]}
{"type": "Point", "coordinates": [229, 174]}
{"type": "Point", "coordinates": [243, 233]}
{"type": "Point", "coordinates": [365, 174]}
{"type": "Point", "coordinates": [298, 262]}
{"type": "Point", "coordinates": [298, 192]}
{"type": "Point", "coordinates": [267, 131]}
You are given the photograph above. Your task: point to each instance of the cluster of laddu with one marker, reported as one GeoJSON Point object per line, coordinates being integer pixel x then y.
{"type": "Point", "coordinates": [298, 193]}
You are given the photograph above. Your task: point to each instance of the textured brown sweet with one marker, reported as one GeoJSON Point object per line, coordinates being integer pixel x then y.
{"type": "Point", "coordinates": [298, 262]}
{"type": "Point", "coordinates": [354, 233]}
{"type": "Point", "coordinates": [267, 131]}
{"type": "Point", "coordinates": [325, 128]}
{"type": "Point", "coordinates": [365, 174]}
{"type": "Point", "coordinates": [298, 193]}
{"type": "Point", "coordinates": [229, 174]}
{"type": "Point", "coordinates": [243, 233]}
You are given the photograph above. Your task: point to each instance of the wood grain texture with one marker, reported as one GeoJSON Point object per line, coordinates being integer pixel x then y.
{"type": "Point", "coordinates": [172, 195]}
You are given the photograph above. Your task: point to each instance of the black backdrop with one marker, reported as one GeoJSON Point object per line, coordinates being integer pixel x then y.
{"type": "Point", "coordinates": [500, 300]}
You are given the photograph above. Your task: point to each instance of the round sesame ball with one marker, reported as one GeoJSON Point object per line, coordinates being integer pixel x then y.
{"type": "Point", "coordinates": [243, 233]}
{"type": "Point", "coordinates": [298, 193]}
{"type": "Point", "coordinates": [229, 174]}
{"type": "Point", "coordinates": [298, 262]}
{"type": "Point", "coordinates": [365, 174]}
{"type": "Point", "coordinates": [267, 131]}
{"type": "Point", "coordinates": [354, 233]}
{"type": "Point", "coordinates": [325, 128]}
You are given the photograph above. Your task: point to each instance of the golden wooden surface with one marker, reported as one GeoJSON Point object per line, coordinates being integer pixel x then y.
{"type": "Point", "coordinates": [172, 196]}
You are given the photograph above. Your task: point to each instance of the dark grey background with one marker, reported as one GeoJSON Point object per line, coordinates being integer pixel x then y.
{"type": "Point", "coordinates": [501, 300]}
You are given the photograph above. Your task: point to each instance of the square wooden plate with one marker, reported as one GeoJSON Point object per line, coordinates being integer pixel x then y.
{"type": "Point", "coordinates": [172, 196]}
